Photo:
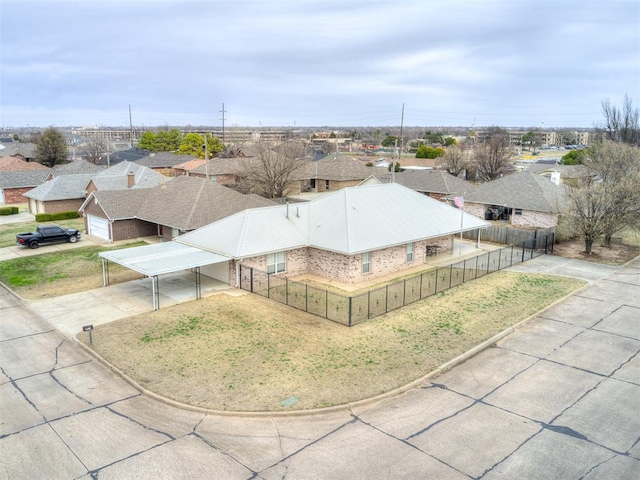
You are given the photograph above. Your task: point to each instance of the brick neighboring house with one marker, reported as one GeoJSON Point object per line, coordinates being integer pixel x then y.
{"type": "Point", "coordinates": [24, 151]}
{"type": "Point", "coordinates": [225, 171]}
{"type": "Point", "coordinates": [187, 167]}
{"type": "Point", "coordinates": [164, 162]}
{"type": "Point", "coordinates": [349, 235]}
{"type": "Point", "coordinates": [521, 199]}
{"type": "Point", "coordinates": [14, 184]}
{"type": "Point", "coordinates": [436, 184]}
{"type": "Point", "coordinates": [168, 210]}
{"type": "Point", "coordinates": [68, 192]}
{"type": "Point", "coordinates": [77, 166]}
{"type": "Point", "coordinates": [334, 172]}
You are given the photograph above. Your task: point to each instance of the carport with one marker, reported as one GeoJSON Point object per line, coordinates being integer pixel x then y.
{"type": "Point", "coordinates": [158, 259]}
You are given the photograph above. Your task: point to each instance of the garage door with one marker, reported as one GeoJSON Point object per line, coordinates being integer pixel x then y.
{"type": "Point", "coordinates": [98, 227]}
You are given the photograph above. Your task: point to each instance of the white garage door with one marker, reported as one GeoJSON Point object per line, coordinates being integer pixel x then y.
{"type": "Point", "coordinates": [98, 227]}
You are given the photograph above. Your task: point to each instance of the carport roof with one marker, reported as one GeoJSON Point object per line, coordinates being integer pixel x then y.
{"type": "Point", "coordinates": [160, 258]}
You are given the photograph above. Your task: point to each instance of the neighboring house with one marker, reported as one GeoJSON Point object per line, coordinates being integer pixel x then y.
{"type": "Point", "coordinates": [522, 199]}
{"type": "Point", "coordinates": [130, 154]}
{"type": "Point", "coordinates": [350, 235]}
{"type": "Point", "coordinates": [225, 171]}
{"type": "Point", "coordinates": [568, 174]}
{"type": "Point", "coordinates": [164, 162]}
{"type": "Point", "coordinates": [14, 184]}
{"type": "Point", "coordinates": [436, 184]}
{"type": "Point", "coordinates": [77, 166]}
{"type": "Point", "coordinates": [15, 164]}
{"type": "Point", "coordinates": [59, 194]}
{"type": "Point", "coordinates": [168, 210]}
{"type": "Point", "coordinates": [334, 172]}
{"type": "Point", "coordinates": [68, 192]}
{"type": "Point", "coordinates": [25, 151]}
{"type": "Point", "coordinates": [187, 167]}
{"type": "Point", "coordinates": [125, 175]}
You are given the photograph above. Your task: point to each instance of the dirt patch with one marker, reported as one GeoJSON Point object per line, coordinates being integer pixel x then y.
{"type": "Point", "coordinates": [617, 254]}
{"type": "Point", "coordinates": [251, 354]}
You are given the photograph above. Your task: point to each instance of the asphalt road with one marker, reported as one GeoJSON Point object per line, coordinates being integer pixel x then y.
{"type": "Point", "coordinates": [559, 398]}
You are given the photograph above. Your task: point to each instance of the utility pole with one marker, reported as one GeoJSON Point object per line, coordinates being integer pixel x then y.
{"type": "Point", "coordinates": [206, 156]}
{"type": "Point", "coordinates": [130, 129]}
{"type": "Point", "coordinates": [223, 111]}
{"type": "Point", "coordinates": [397, 152]}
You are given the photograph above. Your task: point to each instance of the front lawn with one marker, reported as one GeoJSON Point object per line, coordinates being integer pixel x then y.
{"type": "Point", "coordinates": [60, 273]}
{"type": "Point", "coordinates": [9, 231]}
{"type": "Point", "coordinates": [250, 353]}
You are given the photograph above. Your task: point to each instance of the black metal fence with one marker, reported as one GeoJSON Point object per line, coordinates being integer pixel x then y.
{"type": "Point", "coordinates": [352, 310]}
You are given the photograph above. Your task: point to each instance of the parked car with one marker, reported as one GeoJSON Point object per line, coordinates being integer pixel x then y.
{"type": "Point", "coordinates": [47, 234]}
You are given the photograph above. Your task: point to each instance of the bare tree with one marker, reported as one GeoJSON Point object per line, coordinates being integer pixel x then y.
{"type": "Point", "coordinates": [608, 202]}
{"type": "Point", "coordinates": [492, 158]}
{"type": "Point", "coordinates": [622, 124]}
{"type": "Point", "coordinates": [276, 169]}
{"type": "Point", "coordinates": [93, 149]}
{"type": "Point", "coordinates": [455, 160]}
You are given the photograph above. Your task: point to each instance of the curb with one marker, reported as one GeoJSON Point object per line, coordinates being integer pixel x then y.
{"type": "Point", "coordinates": [445, 367]}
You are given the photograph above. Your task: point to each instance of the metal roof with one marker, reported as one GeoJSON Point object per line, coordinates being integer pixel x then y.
{"type": "Point", "coordinates": [159, 258]}
{"type": "Point", "coordinates": [349, 221]}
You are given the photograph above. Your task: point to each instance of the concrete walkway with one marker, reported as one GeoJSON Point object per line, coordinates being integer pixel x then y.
{"type": "Point", "coordinates": [556, 399]}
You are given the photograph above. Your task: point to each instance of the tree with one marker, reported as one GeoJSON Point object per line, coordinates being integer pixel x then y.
{"type": "Point", "coordinates": [492, 159]}
{"type": "Point", "coordinates": [51, 147]}
{"type": "Point", "coordinates": [160, 142]}
{"type": "Point", "coordinates": [450, 141]}
{"type": "Point", "coordinates": [276, 169]}
{"type": "Point", "coordinates": [429, 152]}
{"type": "Point", "coordinates": [389, 141]}
{"type": "Point", "coordinates": [531, 139]}
{"type": "Point", "coordinates": [397, 166]}
{"type": "Point", "coordinates": [608, 202]}
{"type": "Point", "coordinates": [194, 144]}
{"type": "Point", "coordinates": [454, 161]}
{"type": "Point", "coordinates": [622, 124]}
{"type": "Point", "coordinates": [93, 149]}
{"type": "Point", "coordinates": [574, 157]}
{"type": "Point", "coordinates": [433, 138]}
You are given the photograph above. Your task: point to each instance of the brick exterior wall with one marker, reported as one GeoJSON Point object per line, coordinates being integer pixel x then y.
{"type": "Point", "coordinates": [346, 268]}
{"type": "Point", "coordinates": [133, 228]}
{"type": "Point", "coordinates": [475, 209]}
{"type": "Point", "coordinates": [91, 187]}
{"type": "Point", "coordinates": [532, 219]}
{"type": "Point", "coordinates": [14, 195]}
{"type": "Point", "coordinates": [55, 206]}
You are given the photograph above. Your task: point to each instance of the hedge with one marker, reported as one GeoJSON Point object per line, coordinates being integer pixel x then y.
{"type": "Point", "coordinates": [48, 217]}
{"type": "Point", "coordinates": [8, 210]}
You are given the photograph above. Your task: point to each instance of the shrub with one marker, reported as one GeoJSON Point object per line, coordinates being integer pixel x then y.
{"type": "Point", "coordinates": [48, 217]}
{"type": "Point", "coordinates": [8, 210]}
{"type": "Point", "coordinates": [43, 217]}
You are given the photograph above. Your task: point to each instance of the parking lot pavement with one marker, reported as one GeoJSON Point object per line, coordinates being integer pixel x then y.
{"type": "Point", "coordinates": [558, 398]}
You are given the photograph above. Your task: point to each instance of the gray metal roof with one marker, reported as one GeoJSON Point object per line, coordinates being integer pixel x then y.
{"type": "Point", "coordinates": [160, 258]}
{"type": "Point", "coordinates": [349, 221]}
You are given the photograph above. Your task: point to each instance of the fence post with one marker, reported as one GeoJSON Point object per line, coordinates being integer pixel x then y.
{"type": "Point", "coordinates": [286, 291]}
{"type": "Point", "coordinates": [476, 271]}
{"type": "Point", "coordinates": [533, 246]}
{"type": "Point", "coordinates": [326, 304]}
{"type": "Point", "coordinates": [499, 258]}
{"type": "Point", "coordinates": [404, 293]}
{"type": "Point", "coordinates": [251, 279]}
{"type": "Point", "coordinates": [369, 304]}
{"type": "Point", "coordinates": [511, 264]}
{"type": "Point", "coordinates": [386, 298]}
{"type": "Point", "coordinates": [306, 297]}
{"type": "Point", "coordinates": [350, 311]}
{"type": "Point", "coordinates": [546, 240]}
{"type": "Point", "coordinates": [421, 277]}
{"type": "Point", "coordinates": [435, 290]}
{"type": "Point", "coordinates": [488, 262]}
{"type": "Point", "coordinates": [268, 286]}
{"type": "Point", "coordinates": [464, 269]}
{"type": "Point", "coordinates": [524, 243]}
{"type": "Point", "coordinates": [450, 274]}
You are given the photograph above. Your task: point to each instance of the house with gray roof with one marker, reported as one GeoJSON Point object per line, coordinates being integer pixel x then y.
{"type": "Point", "coordinates": [164, 162]}
{"type": "Point", "coordinates": [167, 210]}
{"type": "Point", "coordinates": [24, 150]}
{"type": "Point", "coordinates": [437, 184]}
{"type": "Point", "coordinates": [14, 184]}
{"type": "Point", "coordinates": [521, 199]}
{"type": "Point", "coordinates": [123, 176]}
{"type": "Point", "coordinates": [334, 172]}
{"type": "Point", "coordinates": [77, 166]}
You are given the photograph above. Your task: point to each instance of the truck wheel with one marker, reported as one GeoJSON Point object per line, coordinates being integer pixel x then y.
{"type": "Point", "coordinates": [34, 244]}
{"type": "Point", "coordinates": [73, 238]}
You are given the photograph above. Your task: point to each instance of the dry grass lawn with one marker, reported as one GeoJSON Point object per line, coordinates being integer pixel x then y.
{"type": "Point", "coordinates": [251, 354]}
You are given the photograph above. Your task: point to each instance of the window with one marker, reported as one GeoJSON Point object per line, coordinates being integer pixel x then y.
{"type": "Point", "coordinates": [409, 252]}
{"type": "Point", "coordinates": [326, 184]}
{"type": "Point", "coordinates": [366, 262]}
{"type": "Point", "coordinates": [276, 262]}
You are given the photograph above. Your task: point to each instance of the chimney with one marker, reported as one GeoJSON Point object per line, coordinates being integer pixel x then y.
{"type": "Point", "coordinates": [131, 179]}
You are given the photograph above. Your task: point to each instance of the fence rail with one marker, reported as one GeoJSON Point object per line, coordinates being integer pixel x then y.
{"type": "Point", "coordinates": [511, 235]}
{"type": "Point", "coordinates": [352, 310]}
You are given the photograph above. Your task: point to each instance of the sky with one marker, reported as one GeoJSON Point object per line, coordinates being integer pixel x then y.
{"type": "Point", "coordinates": [287, 63]}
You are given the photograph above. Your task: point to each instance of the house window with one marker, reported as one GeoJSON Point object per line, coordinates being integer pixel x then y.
{"type": "Point", "coordinates": [276, 262]}
{"type": "Point", "coordinates": [312, 183]}
{"type": "Point", "coordinates": [366, 262]}
{"type": "Point", "coordinates": [409, 252]}
{"type": "Point", "coordinates": [326, 184]}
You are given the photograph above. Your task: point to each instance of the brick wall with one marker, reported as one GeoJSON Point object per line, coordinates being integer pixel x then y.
{"type": "Point", "coordinates": [133, 228]}
{"type": "Point", "coordinates": [14, 195]}
{"type": "Point", "coordinates": [475, 209]}
{"type": "Point", "coordinates": [55, 206]}
{"type": "Point", "coordinates": [532, 219]}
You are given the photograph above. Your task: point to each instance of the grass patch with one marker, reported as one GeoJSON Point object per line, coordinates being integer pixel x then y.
{"type": "Point", "coordinates": [249, 353]}
{"type": "Point", "coordinates": [60, 273]}
{"type": "Point", "coordinates": [9, 231]}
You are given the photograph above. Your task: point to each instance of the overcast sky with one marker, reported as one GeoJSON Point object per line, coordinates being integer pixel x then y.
{"type": "Point", "coordinates": [316, 63]}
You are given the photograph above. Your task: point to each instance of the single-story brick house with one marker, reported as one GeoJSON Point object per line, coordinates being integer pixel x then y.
{"type": "Point", "coordinates": [349, 235]}
{"type": "Point", "coordinates": [332, 173]}
{"type": "Point", "coordinates": [436, 184]}
{"type": "Point", "coordinates": [14, 184]}
{"type": "Point", "coordinates": [167, 210]}
{"type": "Point", "coordinates": [521, 199]}
{"type": "Point", "coordinates": [164, 162]}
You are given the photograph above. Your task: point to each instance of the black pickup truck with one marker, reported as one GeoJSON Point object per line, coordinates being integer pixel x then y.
{"type": "Point", "coordinates": [47, 234]}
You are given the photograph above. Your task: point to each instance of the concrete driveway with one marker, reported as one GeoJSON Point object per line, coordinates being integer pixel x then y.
{"type": "Point", "coordinates": [556, 399]}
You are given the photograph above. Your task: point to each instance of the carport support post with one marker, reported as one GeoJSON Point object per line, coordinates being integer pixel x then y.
{"type": "Point", "coordinates": [155, 292]}
{"type": "Point", "coordinates": [198, 284]}
{"type": "Point", "coordinates": [105, 272]}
